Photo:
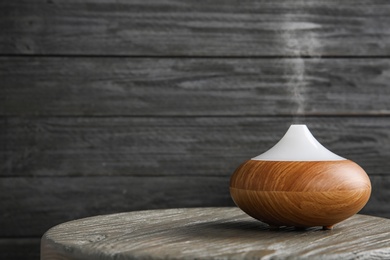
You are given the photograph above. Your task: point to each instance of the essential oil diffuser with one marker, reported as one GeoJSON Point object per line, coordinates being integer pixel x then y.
{"type": "Point", "coordinates": [300, 183]}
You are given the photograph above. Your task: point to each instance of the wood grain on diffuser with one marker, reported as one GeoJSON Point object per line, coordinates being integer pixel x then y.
{"type": "Point", "coordinates": [302, 194]}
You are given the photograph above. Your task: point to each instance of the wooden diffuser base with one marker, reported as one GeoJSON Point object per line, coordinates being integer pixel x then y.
{"type": "Point", "coordinates": [300, 193]}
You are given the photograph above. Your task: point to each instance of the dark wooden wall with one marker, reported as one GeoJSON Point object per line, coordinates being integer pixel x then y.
{"type": "Point", "coordinates": [110, 106]}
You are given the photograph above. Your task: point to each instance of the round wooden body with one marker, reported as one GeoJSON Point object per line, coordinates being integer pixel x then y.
{"type": "Point", "coordinates": [300, 193]}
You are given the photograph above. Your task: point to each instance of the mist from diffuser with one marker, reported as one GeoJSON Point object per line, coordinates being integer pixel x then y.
{"type": "Point", "coordinates": [298, 144]}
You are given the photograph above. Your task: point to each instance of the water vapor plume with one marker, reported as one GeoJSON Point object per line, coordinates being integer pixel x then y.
{"type": "Point", "coordinates": [300, 43]}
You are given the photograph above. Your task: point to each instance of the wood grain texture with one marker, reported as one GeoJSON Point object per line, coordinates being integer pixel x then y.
{"type": "Point", "coordinates": [211, 233]}
{"type": "Point", "coordinates": [193, 87]}
{"type": "Point", "coordinates": [300, 209]}
{"type": "Point", "coordinates": [172, 146]}
{"type": "Point", "coordinates": [300, 194]}
{"type": "Point", "coordinates": [30, 206]}
{"type": "Point", "coordinates": [195, 28]}
{"type": "Point", "coordinates": [299, 176]}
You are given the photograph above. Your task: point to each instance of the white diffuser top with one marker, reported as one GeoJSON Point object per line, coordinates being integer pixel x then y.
{"type": "Point", "coordinates": [298, 144]}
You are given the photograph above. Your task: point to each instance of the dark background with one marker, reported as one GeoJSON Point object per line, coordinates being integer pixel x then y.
{"type": "Point", "coordinates": [111, 106]}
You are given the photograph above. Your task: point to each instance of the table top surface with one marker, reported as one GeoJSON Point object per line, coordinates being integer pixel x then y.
{"type": "Point", "coordinates": [211, 233]}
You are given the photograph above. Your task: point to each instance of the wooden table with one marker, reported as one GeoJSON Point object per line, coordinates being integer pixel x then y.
{"type": "Point", "coordinates": [211, 233]}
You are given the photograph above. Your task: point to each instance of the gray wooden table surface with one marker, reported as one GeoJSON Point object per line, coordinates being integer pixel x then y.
{"type": "Point", "coordinates": [211, 233]}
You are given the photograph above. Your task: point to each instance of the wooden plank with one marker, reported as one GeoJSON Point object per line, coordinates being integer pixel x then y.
{"type": "Point", "coordinates": [211, 233]}
{"type": "Point", "coordinates": [188, 146]}
{"type": "Point", "coordinates": [30, 206]}
{"type": "Point", "coordinates": [3, 143]}
{"type": "Point", "coordinates": [195, 28]}
{"type": "Point", "coordinates": [160, 87]}
{"type": "Point", "coordinates": [19, 248]}
{"type": "Point", "coordinates": [379, 202]}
